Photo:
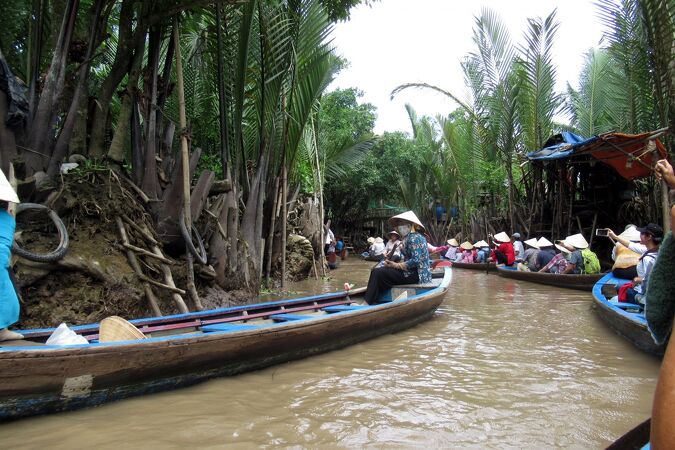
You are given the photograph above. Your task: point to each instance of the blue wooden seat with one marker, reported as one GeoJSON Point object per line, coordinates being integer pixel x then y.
{"type": "Point", "coordinates": [229, 327]}
{"type": "Point", "coordinates": [288, 317]}
{"type": "Point", "coordinates": [342, 308]}
{"type": "Point", "coordinates": [625, 305]}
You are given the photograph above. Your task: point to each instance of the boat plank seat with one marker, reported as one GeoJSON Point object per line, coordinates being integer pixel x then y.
{"type": "Point", "coordinates": [288, 317]}
{"type": "Point", "coordinates": [626, 305]}
{"type": "Point", "coordinates": [342, 308]}
{"type": "Point", "coordinates": [229, 327]}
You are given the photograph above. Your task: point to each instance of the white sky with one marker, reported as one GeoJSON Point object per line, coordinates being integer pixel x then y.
{"type": "Point", "coordinates": [403, 41]}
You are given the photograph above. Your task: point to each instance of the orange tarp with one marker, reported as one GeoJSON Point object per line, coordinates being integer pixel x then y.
{"type": "Point", "coordinates": [629, 154]}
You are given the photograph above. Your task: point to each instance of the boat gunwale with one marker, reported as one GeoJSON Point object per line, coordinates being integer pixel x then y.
{"type": "Point", "coordinates": [579, 281]}
{"type": "Point", "coordinates": [199, 337]}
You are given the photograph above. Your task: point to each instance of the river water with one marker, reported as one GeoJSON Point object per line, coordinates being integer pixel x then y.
{"type": "Point", "coordinates": [503, 364]}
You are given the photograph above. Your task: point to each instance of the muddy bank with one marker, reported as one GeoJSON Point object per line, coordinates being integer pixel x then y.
{"type": "Point", "coordinates": [95, 279]}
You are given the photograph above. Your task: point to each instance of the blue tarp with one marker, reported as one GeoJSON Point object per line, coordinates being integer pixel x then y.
{"type": "Point", "coordinates": [559, 146]}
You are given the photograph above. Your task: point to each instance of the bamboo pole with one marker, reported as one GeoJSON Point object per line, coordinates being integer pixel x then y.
{"type": "Point", "coordinates": [665, 202]}
{"type": "Point", "coordinates": [185, 159]}
{"type": "Point", "coordinates": [284, 217]}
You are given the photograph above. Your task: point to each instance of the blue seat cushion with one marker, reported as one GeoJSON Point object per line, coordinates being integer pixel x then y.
{"type": "Point", "coordinates": [229, 327]}
{"type": "Point", "coordinates": [625, 305]}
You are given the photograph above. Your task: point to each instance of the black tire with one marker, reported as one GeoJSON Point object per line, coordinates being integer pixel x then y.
{"type": "Point", "coordinates": [199, 254]}
{"type": "Point", "coordinates": [62, 248]}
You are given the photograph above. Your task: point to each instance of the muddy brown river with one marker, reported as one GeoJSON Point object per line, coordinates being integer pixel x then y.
{"type": "Point", "coordinates": [502, 365]}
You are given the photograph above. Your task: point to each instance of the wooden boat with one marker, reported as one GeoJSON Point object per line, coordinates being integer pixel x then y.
{"type": "Point", "coordinates": [626, 319]}
{"type": "Point", "coordinates": [184, 349]}
{"type": "Point", "coordinates": [581, 282]}
{"type": "Point", "coordinates": [475, 266]}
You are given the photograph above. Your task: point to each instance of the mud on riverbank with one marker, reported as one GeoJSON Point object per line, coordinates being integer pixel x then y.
{"type": "Point", "coordinates": [95, 279]}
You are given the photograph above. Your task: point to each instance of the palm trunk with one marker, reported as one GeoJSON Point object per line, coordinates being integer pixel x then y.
{"type": "Point", "coordinates": [127, 42]}
{"type": "Point", "coordinates": [83, 74]}
{"type": "Point", "coordinates": [270, 235]}
{"type": "Point", "coordinates": [150, 182]}
{"type": "Point", "coordinates": [41, 128]}
{"type": "Point", "coordinates": [116, 151]}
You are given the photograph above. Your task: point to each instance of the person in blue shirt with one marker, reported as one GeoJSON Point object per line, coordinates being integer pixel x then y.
{"type": "Point", "coordinates": [9, 302]}
{"type": "Point", "coordinates": [414, 269]}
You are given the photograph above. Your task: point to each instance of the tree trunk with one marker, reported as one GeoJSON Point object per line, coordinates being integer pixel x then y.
{"type": "Point", "coordinates": [150, 182]}
{"type": "Point", "coordinates": [35, 55]}
{"type": "Point", "coordinates": [222, 98]}
{"type": "Point", "coordinates": [126, 43]}
{"type": "Point", "coordinates": [42, 133]}
{"type": "Point", "coordinates": [136, 141]}
{"type": "Point", "coordinates": [7, 139]}
{"type": "Point", "coordinates": [124, 119]}
{"type": "Point", "coordinates": [65, 136]}
{"type": "Point", "coordinates": [270, 235]}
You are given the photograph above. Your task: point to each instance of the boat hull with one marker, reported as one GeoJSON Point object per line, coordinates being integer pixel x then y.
{"type": "Point", "coordinates": [41, 381]}
{"type": "Point", "coordinates": [569, 281]}
{"type": "Point", "coordinates": [475, 266]}
{"type": "Point", "coordinates": [630, 325]}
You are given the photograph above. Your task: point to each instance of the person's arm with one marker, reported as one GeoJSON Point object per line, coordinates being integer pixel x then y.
{"type": "Point", "coordinates": [551, 263]}
{"type": "Point", "coordinates": [664, 171]}
{"type": "Point", "coordinates": [569, 268]}
{"type": "Point", "coordinates": [625, 242]}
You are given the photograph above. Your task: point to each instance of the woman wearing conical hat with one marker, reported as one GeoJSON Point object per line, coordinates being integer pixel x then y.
{"type": "Point", "coordinates": [413, 270]}
{"type": "Point", "coordinates": [392, 250]}
{"type": "Point", "coordinates": [451, 250]}
{"type": "Point", "coordinates": [546, 252]}
{"type": "Point", "coordinates": [531, 254]}
{"type": "Point", "coordinates": [468, 252]}
{"type": "Point", "coordinates": [482, 251]}
{"type": "Point", "coordinates": [9, 302]}
{"type": "Point", "coordinates": [503, 253]}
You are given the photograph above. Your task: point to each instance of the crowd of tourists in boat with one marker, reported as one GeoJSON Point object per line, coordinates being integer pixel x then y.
{"type": "Point", "coordinates": [407, 255]}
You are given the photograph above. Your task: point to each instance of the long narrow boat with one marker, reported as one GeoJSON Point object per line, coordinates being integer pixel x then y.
{"type": "Point", "coordinates": [475, 266]}
{"type": "Point", "coordinates": [570, 281]}
{"type": "Point", "coordinates": [184, 349]}
{"type": "Point", "coordinates": [626, 319]}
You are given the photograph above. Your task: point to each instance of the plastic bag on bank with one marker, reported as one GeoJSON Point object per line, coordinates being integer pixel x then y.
{"type": "Point", "coordinates": [65, 336]}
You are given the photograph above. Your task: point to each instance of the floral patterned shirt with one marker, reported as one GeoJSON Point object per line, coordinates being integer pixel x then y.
{"type": "Point", "coordinates": [417, 256]}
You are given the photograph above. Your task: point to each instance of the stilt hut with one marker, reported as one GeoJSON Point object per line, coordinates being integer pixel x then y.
{"type": "Point", "coordinates": [576, 184]}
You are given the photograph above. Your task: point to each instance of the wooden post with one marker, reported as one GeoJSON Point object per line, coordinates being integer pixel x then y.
{"type": "Point", "coordinates": [665, 202]}
{"type": "Point", "coordinates": [185, 158]}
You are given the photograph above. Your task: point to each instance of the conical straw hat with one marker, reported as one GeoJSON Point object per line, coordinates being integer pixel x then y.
{"type": "Point", "coordinates": [115, 329]}
{"type": "Point", "coordinates": [407, 216]}
{"type": "Point", "coordinates": [466, 245]}
{"type": "Point", "coordinates": [502, 237]}
{"type": "Point", "coordinates": [532, 243]}
{"type": "Point", "coordinates": [6, 190]}
{"type": "Point", "coordinates": [577, 241]}
{"type": "Point", "coordinates": [393, 232]}
{"type": "Point", "coordinates": [481, 243]}
{"type": "Point", "coordinates": [379, 240]}
{"type": "Point", "coordinates": [371, 240]}
{"type": "Point", "coordinates": [453, 242]}
{"type": "Point", "coordinates": [631, 233]}
{"type": "Point", "coordinates": [559, 245]}
{"type": "Point", "coordinates": [543, 242]}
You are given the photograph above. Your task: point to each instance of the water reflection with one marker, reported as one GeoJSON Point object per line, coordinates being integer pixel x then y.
{"type": "Point", "coordinates": [504, 364]}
